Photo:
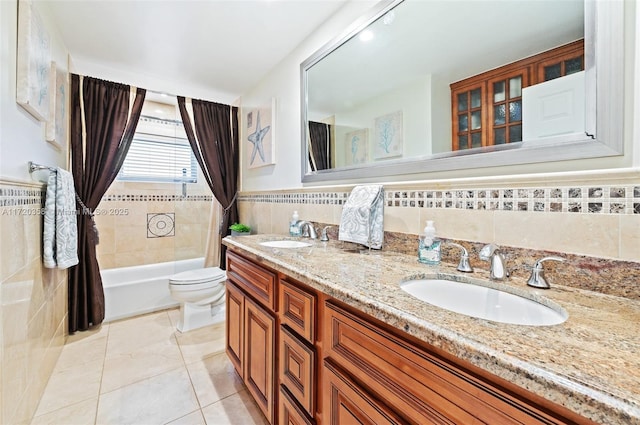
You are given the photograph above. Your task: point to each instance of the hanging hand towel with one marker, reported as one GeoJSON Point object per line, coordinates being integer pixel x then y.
{"type": "Point", "coordinates": [362, 216]}
{"type": "Point", "coordinates": [60, 236]}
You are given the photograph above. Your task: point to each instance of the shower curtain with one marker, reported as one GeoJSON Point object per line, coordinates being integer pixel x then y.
{"type": "Point", "coordinates": [104, 116]}
{"type": "Point", "coordinates": [215, 146]}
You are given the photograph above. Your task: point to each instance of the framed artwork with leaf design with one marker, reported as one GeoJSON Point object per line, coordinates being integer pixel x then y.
{"type": "Point", "coordinates": [388, 136]}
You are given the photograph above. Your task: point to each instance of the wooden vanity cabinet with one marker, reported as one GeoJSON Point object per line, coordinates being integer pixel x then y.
{"type": "Point", "coordinates": [251, 329]}
{"type": "Point", "coordinates": [312, 360]}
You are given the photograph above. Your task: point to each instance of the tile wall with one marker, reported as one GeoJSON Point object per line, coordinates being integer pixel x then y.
{"type": "Point", "coordinates": [599, 220]}
{"type": "Point", "coordinates": [146, 223]}
{"type": "Point", "coordinates": [33, 304]}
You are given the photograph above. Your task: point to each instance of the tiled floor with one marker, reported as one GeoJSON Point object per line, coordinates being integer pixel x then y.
{"type": "Point", "coordinates": [142, 371]}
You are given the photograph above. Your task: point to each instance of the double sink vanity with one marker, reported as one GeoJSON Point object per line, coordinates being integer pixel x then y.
{"type": "Point", "coordinates": [325, 334]}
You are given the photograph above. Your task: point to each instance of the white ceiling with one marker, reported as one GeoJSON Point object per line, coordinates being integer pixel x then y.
{"type": "Point", "coordinates": [226, 46]}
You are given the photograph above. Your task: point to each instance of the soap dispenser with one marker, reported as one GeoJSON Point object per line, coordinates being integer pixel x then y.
{"type": "Point", "coordinates": [429, 246]}
{"type": "Point", "coordinates": [294, 230]}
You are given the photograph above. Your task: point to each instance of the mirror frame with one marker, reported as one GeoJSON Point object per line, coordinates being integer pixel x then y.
{"type": "Point", "coordinates": [604, 66]}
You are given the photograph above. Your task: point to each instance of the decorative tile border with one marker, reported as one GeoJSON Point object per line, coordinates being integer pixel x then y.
{"type": "Point", "coordinates": [593, 199]}
{"type": "Point", "coordinates": [156, 198]}
{"type": "Point", "coordinates": [12, 196]}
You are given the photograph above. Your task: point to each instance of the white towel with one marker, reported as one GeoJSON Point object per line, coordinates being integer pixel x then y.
{"type": "Point", "coordinates": [60, 235]}
{"type": "Point", "coordinates": [362, 216]}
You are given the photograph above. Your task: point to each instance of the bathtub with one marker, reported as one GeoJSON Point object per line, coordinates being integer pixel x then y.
{"type": "Point", "coordinates": [131, 291]}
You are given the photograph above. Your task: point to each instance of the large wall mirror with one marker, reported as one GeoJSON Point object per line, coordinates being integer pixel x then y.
{"type": "Point", "coordinates": [419, 86]}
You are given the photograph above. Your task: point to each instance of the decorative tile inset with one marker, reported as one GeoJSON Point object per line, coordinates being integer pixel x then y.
{"type": "Point", "coordinates": [617, 192]}
{"type": "Point", "coordinates": [160, 225]}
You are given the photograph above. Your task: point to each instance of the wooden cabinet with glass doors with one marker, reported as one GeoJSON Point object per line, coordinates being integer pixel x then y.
{"type": "Point", "coordinates": [487, 108]}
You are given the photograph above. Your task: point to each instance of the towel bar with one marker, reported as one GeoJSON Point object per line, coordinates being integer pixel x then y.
{"type": "Point", "coordinates": [36, 167]}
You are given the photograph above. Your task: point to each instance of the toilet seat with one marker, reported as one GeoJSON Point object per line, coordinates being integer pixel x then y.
{"type": "Point", "coordinates": [197, 276]}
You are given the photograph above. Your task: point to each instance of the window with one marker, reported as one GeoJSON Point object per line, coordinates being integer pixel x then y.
{"type": "Point", "coordinates": [159, 153]}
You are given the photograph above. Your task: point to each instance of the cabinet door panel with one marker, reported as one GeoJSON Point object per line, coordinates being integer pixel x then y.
{"type": "Point", "coordinates": [235, 327]}
{"type": "Point", "coordinates": [297, 309]}
{"type": "Point", "coordinates": [259, 348]}
{"type": "Point", "coordinates": [347, 404]}
{"type": "Point", "coordinates": [297, 367]}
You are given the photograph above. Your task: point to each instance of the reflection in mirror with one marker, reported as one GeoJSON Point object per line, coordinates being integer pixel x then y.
{"type": "Point", "coordinates": [389, 92]}
{"type": "Point", "coordinates": [436, 79]}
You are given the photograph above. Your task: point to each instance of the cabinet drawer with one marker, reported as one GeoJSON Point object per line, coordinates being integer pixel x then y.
{"type": "Point", "coordinates": [255, 280]}
{"type": "Point", "coordinates": [289, 413]}
{"type": "Point", "coordinates": [297, 369]}
{"type": "Point", "coordinates": [297, 309]}
{"type": "Point", "coordinates": [345, 403]}
{"type": "Point", "coordinates": [425, 387]}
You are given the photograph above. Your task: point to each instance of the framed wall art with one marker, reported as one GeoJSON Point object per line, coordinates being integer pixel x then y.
{"type": "Point", "coordinates": [356, 146]}
{"type": "Point", "coordinates": [33, 62]}
{"type": "Point", "coordinates": [261, 135]}
{"type": "Point", "coordinates": [388, 136]}
{"type": "Point", "coordinates": [56, 128]}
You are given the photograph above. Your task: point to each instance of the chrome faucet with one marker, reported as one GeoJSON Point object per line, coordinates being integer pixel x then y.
{"type": "Point", "coordinates": [537, 279]}
{"type": "Point", "coordinates": [498, 267]}
{"type": "Point", "coordinates": [307, 230]}
{"type": "Point", "coordinates": [463, 265]}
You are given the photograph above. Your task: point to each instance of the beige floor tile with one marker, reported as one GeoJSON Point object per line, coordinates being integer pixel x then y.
{"type": "Point", "coordinates": [194, 418]}
{"type": "Point", "coordinates": [174, 316]}
{"type": "Point", "coordinates": [214, 378]}
{"type": "Point", "coordinates": [197, 344]}
{"type": "Point", "coordinates": [70, 386]}
{"type": "Point", "coordinates": [234, 410]}
{"type": "Point", "coordinates": [158, 400]}
{"type": "Point", "coordinates": [81, 352]}
{"type": "Point", "coordinates": [130, 335]}
{"type": "Point", "coordinates": [92, 334]}
{"type": "Point", "coordinates": [83, 413]}
{"type": "Point", "coordinates": [128, 367]}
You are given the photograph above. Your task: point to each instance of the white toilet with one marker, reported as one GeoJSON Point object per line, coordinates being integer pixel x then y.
{"type": "Point", "coordinates": [201, 293]}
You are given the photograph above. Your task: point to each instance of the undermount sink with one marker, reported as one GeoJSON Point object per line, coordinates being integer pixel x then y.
{"type": "Point", "coordinates": [285, 244]}
{"type": "Point", "coordinates": [483, 302]}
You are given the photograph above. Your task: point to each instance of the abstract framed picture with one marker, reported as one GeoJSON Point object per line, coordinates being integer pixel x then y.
{"type": "Point", "coordinates": [356, 147]}
{"type": "Point", "coordinates": [56, 128]}
{"type": "Point", "coordinates": [261, 135]}
{"type": "Point", "coordinates": [388, 136]}
{"type": "Point", "coordinates": [33, 62]}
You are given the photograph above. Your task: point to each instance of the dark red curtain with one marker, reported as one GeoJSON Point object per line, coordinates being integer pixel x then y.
{"type": "Point", "coordinates": [216, 150]}
{"type": "Point", "coordinates": [95, 162]}
{"type": "Point", "coordinates": [320, 146]}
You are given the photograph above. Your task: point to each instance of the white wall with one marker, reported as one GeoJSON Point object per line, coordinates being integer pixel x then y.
{"type": "Point", "coordinates": [284, 83]}
{"type": "Point", "coordinates": [22, 136]}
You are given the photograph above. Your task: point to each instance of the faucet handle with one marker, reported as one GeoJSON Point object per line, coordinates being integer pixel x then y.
{"type": "Point", "coordinates": [487, 251]}
{"type": "Point", "coordinates": [463, 265]}
{"type": "Point", "coordinates": [324, 237]}
{"type": "Point", "coordinates": [537, 278]}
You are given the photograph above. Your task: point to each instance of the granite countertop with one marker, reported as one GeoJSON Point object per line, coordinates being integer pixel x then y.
{"type": "Point", "coordinates": [590, 363]}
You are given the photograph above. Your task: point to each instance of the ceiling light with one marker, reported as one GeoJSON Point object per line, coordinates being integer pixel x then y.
{"type": "Point", "coordinates": [366, 35]}
{"type": "Point", "coordinates": [389, 17]}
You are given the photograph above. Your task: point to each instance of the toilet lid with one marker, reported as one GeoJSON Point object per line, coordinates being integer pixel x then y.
{"type": "Point", "coordinates": [190, 277]}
